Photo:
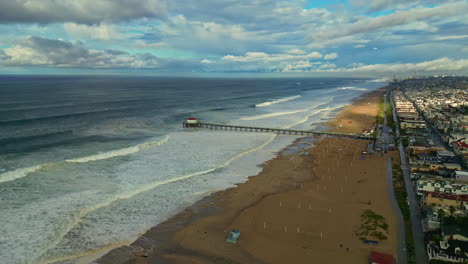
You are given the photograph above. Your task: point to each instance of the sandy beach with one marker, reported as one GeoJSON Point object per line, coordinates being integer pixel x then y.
{"type": "Point", "coordinates": [299, 209]}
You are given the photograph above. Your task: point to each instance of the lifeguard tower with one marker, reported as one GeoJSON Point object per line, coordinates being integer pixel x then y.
{"type": "Point", "coordinates": [233, 236]}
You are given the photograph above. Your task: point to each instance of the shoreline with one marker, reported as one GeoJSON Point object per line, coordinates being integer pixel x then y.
{"type": "Point", "coordinates": [178, 239]}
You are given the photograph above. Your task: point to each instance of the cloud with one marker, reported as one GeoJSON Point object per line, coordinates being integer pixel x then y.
{"type": "Point", "coordinates": [102, 31]}
{"type": "Point", "coordinates": [181, 33]}
{"type": "Point", "coordinates": [290, 61]}
{"type": "Point", "coordinates": [264, 57]}
{"type": "Point", "coordinates": [365, 25]}
{"type": "Point", "coordinates": [438, 66]}
{"type": "Point", "coordinates": [359, 46]}
{"type": "Point", "coordinates": [35, 51]}
{"type": "Point", "coordinates": [207, 61]}
{"type": "Point", "coordinates": [450, 37]}
{"type": "Point", "coordinates": [378, 5]}
{"type": "Point", "coordinates": [328, 66]}
{"type": "Point", "coordinates": [335, 42]}
{"type": "Point", "coordinates": [78, 11]}
{"type": "Point", "coordinates": [296, 52]}
{"type": "Point", "coordinates": [331, 56]}
{"type": "Point", "coordinates": [299, 66]}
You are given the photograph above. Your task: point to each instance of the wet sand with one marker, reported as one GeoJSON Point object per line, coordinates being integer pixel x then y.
{"type": "Point", "coordinates": [299, 209]}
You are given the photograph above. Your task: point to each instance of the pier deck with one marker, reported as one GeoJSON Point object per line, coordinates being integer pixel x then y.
{"type": "Point", "coordinates": [284, 131]}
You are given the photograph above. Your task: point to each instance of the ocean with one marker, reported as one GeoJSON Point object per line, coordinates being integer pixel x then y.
{"type": "Point", "coordinates": [88, 163]}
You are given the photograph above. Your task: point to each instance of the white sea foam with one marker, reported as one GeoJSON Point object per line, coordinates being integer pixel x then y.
{"type": "Point", "coordinates": [23, 172]}
{"type": "Point", "coordinates": [352, 88]}
{"type": "Point", "coordinates": [19, 173]}
{"type": "Point", "coordinates": [118, 152]}
{"type": "Point", "coordinates": [383, 80]}
{"type": "Point", "coordinates": [83, 212]}
{"type": "Point", "coordinates": [282, 113]}
{"type": "Point", "coordinates": [150, 186]}
{"type": "Point", "coordinates": [290, 98]}
{"type": "Point", "coordinates": [303, 120]}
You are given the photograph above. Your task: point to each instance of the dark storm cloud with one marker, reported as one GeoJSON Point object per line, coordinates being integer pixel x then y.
{"type": "Point", "coordinates": [78, 11]}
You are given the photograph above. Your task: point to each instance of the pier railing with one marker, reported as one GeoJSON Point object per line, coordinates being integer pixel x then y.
{"type": "Point", "coordinates": [284, 131]}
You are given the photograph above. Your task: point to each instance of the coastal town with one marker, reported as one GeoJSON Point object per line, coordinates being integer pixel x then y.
{"type": "Point", "coordinates": [432, 127]}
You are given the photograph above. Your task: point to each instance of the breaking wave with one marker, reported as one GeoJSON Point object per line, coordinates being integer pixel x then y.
{"type": "Point", "coordinates": [352, 88]}
{"type": "Point", "coordinates": [19, 173]}
{"type": "Point", "coordinates": [82, 213]}
{"type": "Point", "coordinates": [23, 172]}
{"type": "Point", "coordinates": [282, 113]}
{"type": "Point", "coordinates": [278, 101]}
{"type": "Point", "coordinates": [118, 152]}
{"type": "Point", "coordinates": [379, 80]}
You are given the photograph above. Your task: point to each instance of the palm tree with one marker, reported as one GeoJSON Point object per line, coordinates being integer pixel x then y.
{"type": "Point", "coordinates": [452, 210]}
{"type": "Point", "coordinates": [441, 214]}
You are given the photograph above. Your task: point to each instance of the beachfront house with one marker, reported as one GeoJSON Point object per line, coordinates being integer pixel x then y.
{"type": "Point", "coordinates": [460, 176]}
{"type": "Point", "coordinates": [446, 200]}
{"type": "Point", "coordinates": [445, 156]}
{"type": "Point", "coordinates": [448, 250]}
{"type": "Point", "coordinates": [452, 166]}
{"type": "Point", "coordinates": [460, 148]}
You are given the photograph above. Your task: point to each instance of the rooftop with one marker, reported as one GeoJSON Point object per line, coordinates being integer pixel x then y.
{"type": "Point", "coordinates": [381, 258]}
{"type": "Point", "coordinates": [448, 196]}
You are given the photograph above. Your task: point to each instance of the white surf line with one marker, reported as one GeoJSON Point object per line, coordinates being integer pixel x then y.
{"type": "Point", "coordinates": [23, 172]}
{"type": "Point", "coordinates": [308, 116]}
{"type": "Point", "coordinates": [20, 173]}
{"type": "Point", "coordinates": [85, 211]}
{"type": "Point", "coordinates": [283, 113]}
{"type": "Point", "coordinates": [100, 250]}
{"type": "Point", "coordinates": [285, 99]}
{"type": "Point", "coordinates": [118, 152]}
{"type": "Point", "coordinates": [352, 88]}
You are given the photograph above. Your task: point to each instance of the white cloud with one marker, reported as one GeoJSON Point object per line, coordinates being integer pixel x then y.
{"type": "Point", "coordinates": [102, 31]}
{"type": "Point", "coordinates": [450, 37]}
{"type": "Point", "coordinates": [298, 66]}
{"type": "Point", "coordinates": [262, 56]}
{"type": "Point", "coordinates": [331, 56]}
{"type": "Point", "coordinates": [296, 52]}
{"type": "Point", "coordinates": [328, 66]}
{"type": "Point", "coordinates": [359, 46]}
{"type": "Point", "coordinates": [207, 61]}
{"type": "Point", "coordinates": [442, 65]}
{"type": "Point", "coordinates": [395, 19]}
{"type": "Point", "coordinates": [377, 5]}
{"type": "Point", "coordinates": [323, 43]}
{"type": "Point", "coordinates": [182, 33]}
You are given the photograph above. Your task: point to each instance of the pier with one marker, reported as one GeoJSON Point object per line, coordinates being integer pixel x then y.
{"type": "Point", "coordinates": [193, 123]}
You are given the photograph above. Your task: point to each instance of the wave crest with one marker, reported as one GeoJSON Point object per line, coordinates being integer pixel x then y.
{"type": "Point", "coordinates": [283, 113]}
{"type": "Point", "coordinates": [352, 88]}
{"type": "Point", "coordinates": [23, 172]}
{"type": "Point", "coordinates": [278, 101]}
{"type": "Point", "coordinates": [118, 152]}
{"type": "Point", "coordinates": [19, 173]}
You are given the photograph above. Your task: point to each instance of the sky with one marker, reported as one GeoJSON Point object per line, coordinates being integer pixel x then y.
{"type": "Point", "coordinates": [368, 38]}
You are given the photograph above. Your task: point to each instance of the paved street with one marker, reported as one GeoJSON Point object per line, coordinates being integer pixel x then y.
{"type": "Point", "coordinates": [418, 235]}
{"type": "Point", "coordinates": [401, 251]}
